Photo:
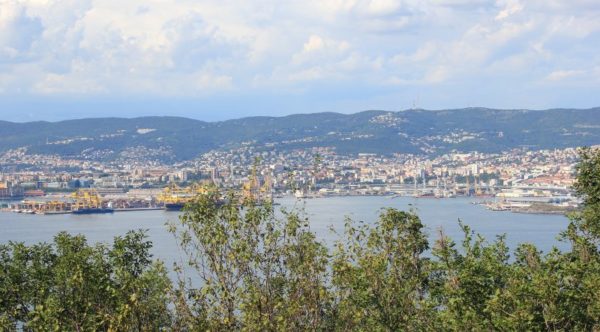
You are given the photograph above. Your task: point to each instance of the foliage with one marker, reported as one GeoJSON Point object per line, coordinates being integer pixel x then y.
{"type": "Point", "coordinates": [71, 286]}
{"type": "Point", "coordinates": [380, 275]}
{"type": "Point", "coordinates": [256, 272]}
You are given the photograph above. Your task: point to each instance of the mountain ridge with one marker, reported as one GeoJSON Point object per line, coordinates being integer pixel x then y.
{"type": "Point", "coordinates": [419, 131]}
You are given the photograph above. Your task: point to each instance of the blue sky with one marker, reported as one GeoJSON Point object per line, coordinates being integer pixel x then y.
{"type": "Point", "coordinates": [215, 60]}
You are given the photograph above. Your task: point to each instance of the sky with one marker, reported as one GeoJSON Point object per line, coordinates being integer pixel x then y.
{"type": "Point", "coordinates": [221, 59]}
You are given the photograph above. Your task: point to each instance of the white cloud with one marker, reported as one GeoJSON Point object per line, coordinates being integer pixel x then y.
{"type": "Point", "coordinates": [191, 48]}
{"type": "Point", "coordinates": [56, 83]}
{"type": "Point", "coordinates": [317, 48]}
{"type": "Point", "coordinates": [560, 75]}
{"type": "Point", "coordinates": [18, 31]}
{"type": "Point", "coordinates": [314, 43]}
{"type": "Point", "coordinates": [423, 53]}
{"type": "Point", "coordinates": [382, 7]}
{"type": "Point", "coordinates": [512, 7]}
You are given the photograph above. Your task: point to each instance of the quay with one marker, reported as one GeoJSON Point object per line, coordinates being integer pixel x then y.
{"type": "Point", "coordinates": [138, 209]}
{"type": "Point", "coordinates": [71, 212]}
{"type": "Point", "coordinates": [89, 201]}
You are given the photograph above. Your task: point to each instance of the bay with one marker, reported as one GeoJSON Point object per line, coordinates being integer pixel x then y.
{"type": "Point", "coordinates": [323, 213]}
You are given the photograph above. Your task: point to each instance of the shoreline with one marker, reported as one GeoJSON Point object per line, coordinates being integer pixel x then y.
{"type": "Point", "coordinates": [473, 200]}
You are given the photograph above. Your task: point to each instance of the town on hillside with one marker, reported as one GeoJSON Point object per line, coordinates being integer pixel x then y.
{"type": "Point", "coordinates": [519, 180]}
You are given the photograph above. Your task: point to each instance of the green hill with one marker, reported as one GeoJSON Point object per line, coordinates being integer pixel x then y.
{"type": "Point", "coordinates": [412, 131]}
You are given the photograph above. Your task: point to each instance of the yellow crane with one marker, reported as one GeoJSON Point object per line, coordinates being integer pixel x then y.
{"type": "Point", "coordinates": [55, 206]}
{"type": "Point", "coordinates": [175, 197]}
{"type": "Point", "coordinates": [86, 199]}
{"type": "Point", "coordinates": [253, 191]}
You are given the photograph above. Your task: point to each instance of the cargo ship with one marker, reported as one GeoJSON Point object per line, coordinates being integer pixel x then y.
{"type": "Point", "coordinates": [174, 198]}
{"type": "Point", "coordinates": [181, 206]}
{"type": "Point", "coordinates": [93, 211]}
{"type": "Point", "coordinates": [88, 201]}
{"type": "Point", "coordinates": [174, 206]}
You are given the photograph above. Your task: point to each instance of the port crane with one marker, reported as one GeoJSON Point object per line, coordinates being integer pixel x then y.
{"type": "Point", "coordinates": [86, 199]}
{"type": "Point", "coordinates": [253, 191]}
{"type": "Point", "coordinates": [174, 197]}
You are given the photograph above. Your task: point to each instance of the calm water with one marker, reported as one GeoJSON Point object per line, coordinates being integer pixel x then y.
{"type": "Point", "coordinates": [324, 213]}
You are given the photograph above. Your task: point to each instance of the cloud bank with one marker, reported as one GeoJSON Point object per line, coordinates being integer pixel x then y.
{"type": "Point", "coordinates": [325, 55]}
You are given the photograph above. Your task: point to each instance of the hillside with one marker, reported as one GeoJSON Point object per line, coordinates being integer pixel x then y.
{"type": "Point", "coordinates": [412, 131]}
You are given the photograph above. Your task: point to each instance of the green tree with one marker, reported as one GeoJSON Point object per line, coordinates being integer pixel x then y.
{"type": "Point", "coordinates": [256, 271]}
{"type": "Point", "coordinates": [140, 286]}
{"type": "Point", "coordinates": [465, 280]}
{"type": "Point", "coordinates": [556, 291]}
{"type": "Point", "coordinates": [71, 286]}
{"type": "Point", "coordinates": [380, 275]}
{"type": "Point", "coordinates": [579, 269]}
{"type": "Point", "coordinates": [24, 279]}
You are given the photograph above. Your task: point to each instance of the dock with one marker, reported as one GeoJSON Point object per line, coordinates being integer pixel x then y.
{"type": "Point", "coordinates": [139, 209]}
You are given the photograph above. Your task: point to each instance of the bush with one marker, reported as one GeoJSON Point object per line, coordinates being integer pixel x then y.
{"type": "Point", "coordinates": [71, 286]}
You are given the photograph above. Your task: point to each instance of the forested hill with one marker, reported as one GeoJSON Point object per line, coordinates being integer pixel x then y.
{"type": "Point", "coordinates": [412, 131]}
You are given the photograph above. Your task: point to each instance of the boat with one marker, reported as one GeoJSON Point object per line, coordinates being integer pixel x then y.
{"type": "Point", "coordinates": [300, 194]}
{"type": "Point", "coordinates": [426, 195]}
{"type": "Point", "coordinates": [93, 211]}
{"type": "Point", "coordinates": [88, 201]}
{"type": "Point", "coordinates": [181, 206]}
{"type": "Point", "coordinates": [174, 206]}
{"type": "Point", "coordinates": [175, 198]}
